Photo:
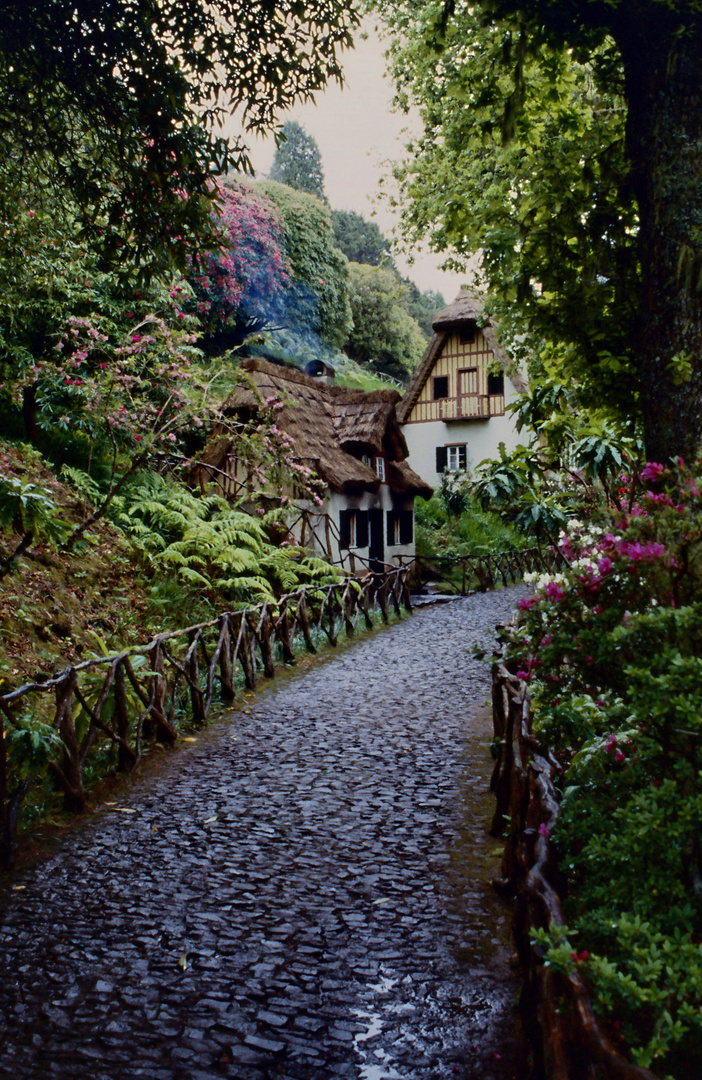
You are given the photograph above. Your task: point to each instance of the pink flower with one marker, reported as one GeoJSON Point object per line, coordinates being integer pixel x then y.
{"type": "Point", "coordinates": [652, 470]}
{"type": "Point", "coordinates": [527, 604]}
{"type": "Point", "coordinates": [554, 591]}
{"type": "Point", "coordinates": [136, 338]}
{"type": "Point", "coordinates": [544, 830]}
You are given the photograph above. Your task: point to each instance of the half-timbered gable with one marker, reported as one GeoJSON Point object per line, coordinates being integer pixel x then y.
{"type": "Point", "coordinates": [454, 407]}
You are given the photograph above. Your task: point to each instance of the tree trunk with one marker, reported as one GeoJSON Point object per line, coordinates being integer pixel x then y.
{"type": "Point", "coordinates": [663, 71]}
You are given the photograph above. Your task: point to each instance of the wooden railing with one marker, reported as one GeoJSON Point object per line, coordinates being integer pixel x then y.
{"type": "Point", "coordinates": [485, 572]}
{"type": "Point", "coordinates": [115, 704]}
{"type": "Point", "coordinates": [565, 1040]}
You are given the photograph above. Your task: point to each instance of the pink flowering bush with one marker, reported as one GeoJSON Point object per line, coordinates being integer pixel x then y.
{"type": "Point", "coordinates": [236, 289]}
{"type": "Point", "coordinates": [611, 646]}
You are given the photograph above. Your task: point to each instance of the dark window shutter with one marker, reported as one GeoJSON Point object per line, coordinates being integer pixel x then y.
{"type": "Point", "coordinates": [362, 528]}
{"type": "Point", "coordinates": [345, 527]}
{"type": "Point", "coordinates": [462, 457]}
{"type": "Point", "coordinates": [441, 458]}
{"type": "Point", "coordinates": [391, 527]}
{"type": "Point", "coordinates": [406, 526]}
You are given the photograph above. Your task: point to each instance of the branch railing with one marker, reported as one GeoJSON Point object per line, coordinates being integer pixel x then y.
{"type": "Point", "coordinates": [485, 571]}
{"type": "Point", "coordinates": [113, 705]}
{"type": "Point", "coordinates": [565, 1040]}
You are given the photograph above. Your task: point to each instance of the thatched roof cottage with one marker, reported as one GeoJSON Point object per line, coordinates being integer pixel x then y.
{"type": "Point", "coordinates": [353, 441]}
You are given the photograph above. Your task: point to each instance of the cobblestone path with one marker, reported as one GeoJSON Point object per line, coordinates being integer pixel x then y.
{"type": "Point", "coordinates": [302, 894]}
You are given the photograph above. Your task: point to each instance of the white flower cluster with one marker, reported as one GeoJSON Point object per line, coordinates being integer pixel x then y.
{"type": "Point", "coordinates": [540, 581]}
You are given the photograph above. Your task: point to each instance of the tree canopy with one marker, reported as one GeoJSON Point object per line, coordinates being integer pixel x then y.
{"type": "Point", "coordinates": [298, 161]}
{"type": "Point", "coordinates": [360, 240]}
{"type": "Point", "coordinates": [384, 334]}
{"type": "Point", "coordinates": [316, 299]}
{"type": "Point", "coordinates": [117, 103]}
{"type": "Point", "coordinates": [564, 140]}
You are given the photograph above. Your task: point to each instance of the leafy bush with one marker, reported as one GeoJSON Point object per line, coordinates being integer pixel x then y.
{"type": "Point", "coordinates": [441, 531]}
{"type": "Point", "coordinates": [612, 646]}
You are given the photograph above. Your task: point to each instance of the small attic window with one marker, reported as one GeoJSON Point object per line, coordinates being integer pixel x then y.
{"type": "Point", "coordinates": [440, 387]}
{"type": "Point", "coordinates": [367, 460]}
{"type": "Point", "coordinates": [467, 334]}
{"type": "Point", "coordinates": [496, 384]}
{"type": "Point", "coordinates": [380, 468]}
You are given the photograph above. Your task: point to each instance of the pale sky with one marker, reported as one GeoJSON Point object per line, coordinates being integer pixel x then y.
{"type": "Point", "coordinates": [358, 134]}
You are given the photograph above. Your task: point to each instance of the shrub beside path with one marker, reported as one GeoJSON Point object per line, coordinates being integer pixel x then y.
{"type": "Point", "coordinates": [302, 894]}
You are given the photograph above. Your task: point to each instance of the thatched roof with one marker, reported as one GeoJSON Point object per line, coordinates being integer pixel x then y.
{"type": "Point", "coordinates": [466, 308]}
{"type": "Point", "coordinates": [331, 426]}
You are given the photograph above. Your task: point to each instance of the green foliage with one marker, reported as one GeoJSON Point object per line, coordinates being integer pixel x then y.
{"type": "Point", "coordinates": [574, 463]}
{"type": "Point", "coordinates": [28, 508]}
{"type": "Point", "coordinates": [211, 548]}
{"type": "Point", "coordinates": [612, 647]}
{"type": "Point", "coordinates": [384, 334]}
{"type": "Point", "coordinates": [317, 299]}
{"type": "Point", "coordinates": [576, 171]}
{"type": "Point", "coordinates": [361, 241]}
{"type": "Point", "coordinates": [519, 488]}
{"type": "Point", "coordinates": [298, 162]}
{"type": "Point", "coordinates": [120, 103]}
{"type": "Point", "coordinates": [472, 531]}
{"type": "Point", "coordinates": [522, 157]}
{"type": "Point", "coordinates": [423, 306]}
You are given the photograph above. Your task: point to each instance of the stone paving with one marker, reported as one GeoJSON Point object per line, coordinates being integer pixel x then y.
{"type": "Point", "coordinates": [301, 894]}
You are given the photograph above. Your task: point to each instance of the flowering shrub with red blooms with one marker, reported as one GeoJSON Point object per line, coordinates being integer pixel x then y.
{"type": "Point", "coordinates": [611, 646]}
{"type": "Point", "coordinates": [236, 288]}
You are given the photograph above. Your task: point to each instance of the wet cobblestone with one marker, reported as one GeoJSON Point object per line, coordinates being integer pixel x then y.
{"type": "Point", "coordinates": [303, 894]}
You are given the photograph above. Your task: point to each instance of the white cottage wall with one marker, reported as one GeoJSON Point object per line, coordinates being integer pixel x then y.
{"type": "Point", "coordinates": [394, 553]}
{"type": "Point", "coordinates": [480, 437]}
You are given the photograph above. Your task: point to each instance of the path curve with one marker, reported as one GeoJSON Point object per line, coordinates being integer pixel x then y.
{"type": "Point", "coordinates": [301, 894]}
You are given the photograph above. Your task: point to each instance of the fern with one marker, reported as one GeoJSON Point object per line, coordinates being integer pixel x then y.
{"type": "Point", "coordinates": [211, 548]}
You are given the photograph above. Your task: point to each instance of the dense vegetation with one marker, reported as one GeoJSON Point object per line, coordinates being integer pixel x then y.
{"type": "Point", "coordinates": [612, 649]}
{"type": "Point", "coordinates": [562, 139]}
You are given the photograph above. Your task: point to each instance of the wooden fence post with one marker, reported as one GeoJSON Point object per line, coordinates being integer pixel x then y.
{"type": "Point", "coordinates": [197, 699]}
{"type": "Point", "coordinates": [263, 636]}
{"type": "Point", "coordinates": [305, 624]}
{"type": "Point", "coordinates": [226, 669]}
{"type": "Point", "coordinates": [283, 630]}
{"type": "Point", "coordinates": [164, 731]}
{"type": "Point", "coordinates": [125, 760]}
{"type": "Point", "coordinates": [69, 773]}
{"type": "Point", "coordinates": [244, 650]}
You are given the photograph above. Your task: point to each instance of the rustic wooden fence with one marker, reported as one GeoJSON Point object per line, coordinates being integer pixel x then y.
{"type": "Point", "coordinates": [563, 1038]}
{"type": "Point", "coordinates": [111, 706]}
{"type": "Point", "coordinates": [485, 571]}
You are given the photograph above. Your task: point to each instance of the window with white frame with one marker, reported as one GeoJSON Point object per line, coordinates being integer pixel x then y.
{"type": "Point", "coordinates": [380, 468]}
{"type": "Point", "coordinates": [457, 457]}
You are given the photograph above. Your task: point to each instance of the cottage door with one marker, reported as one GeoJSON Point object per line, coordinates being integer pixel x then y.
{"type": "Point", "coordinates": [376, 537]}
